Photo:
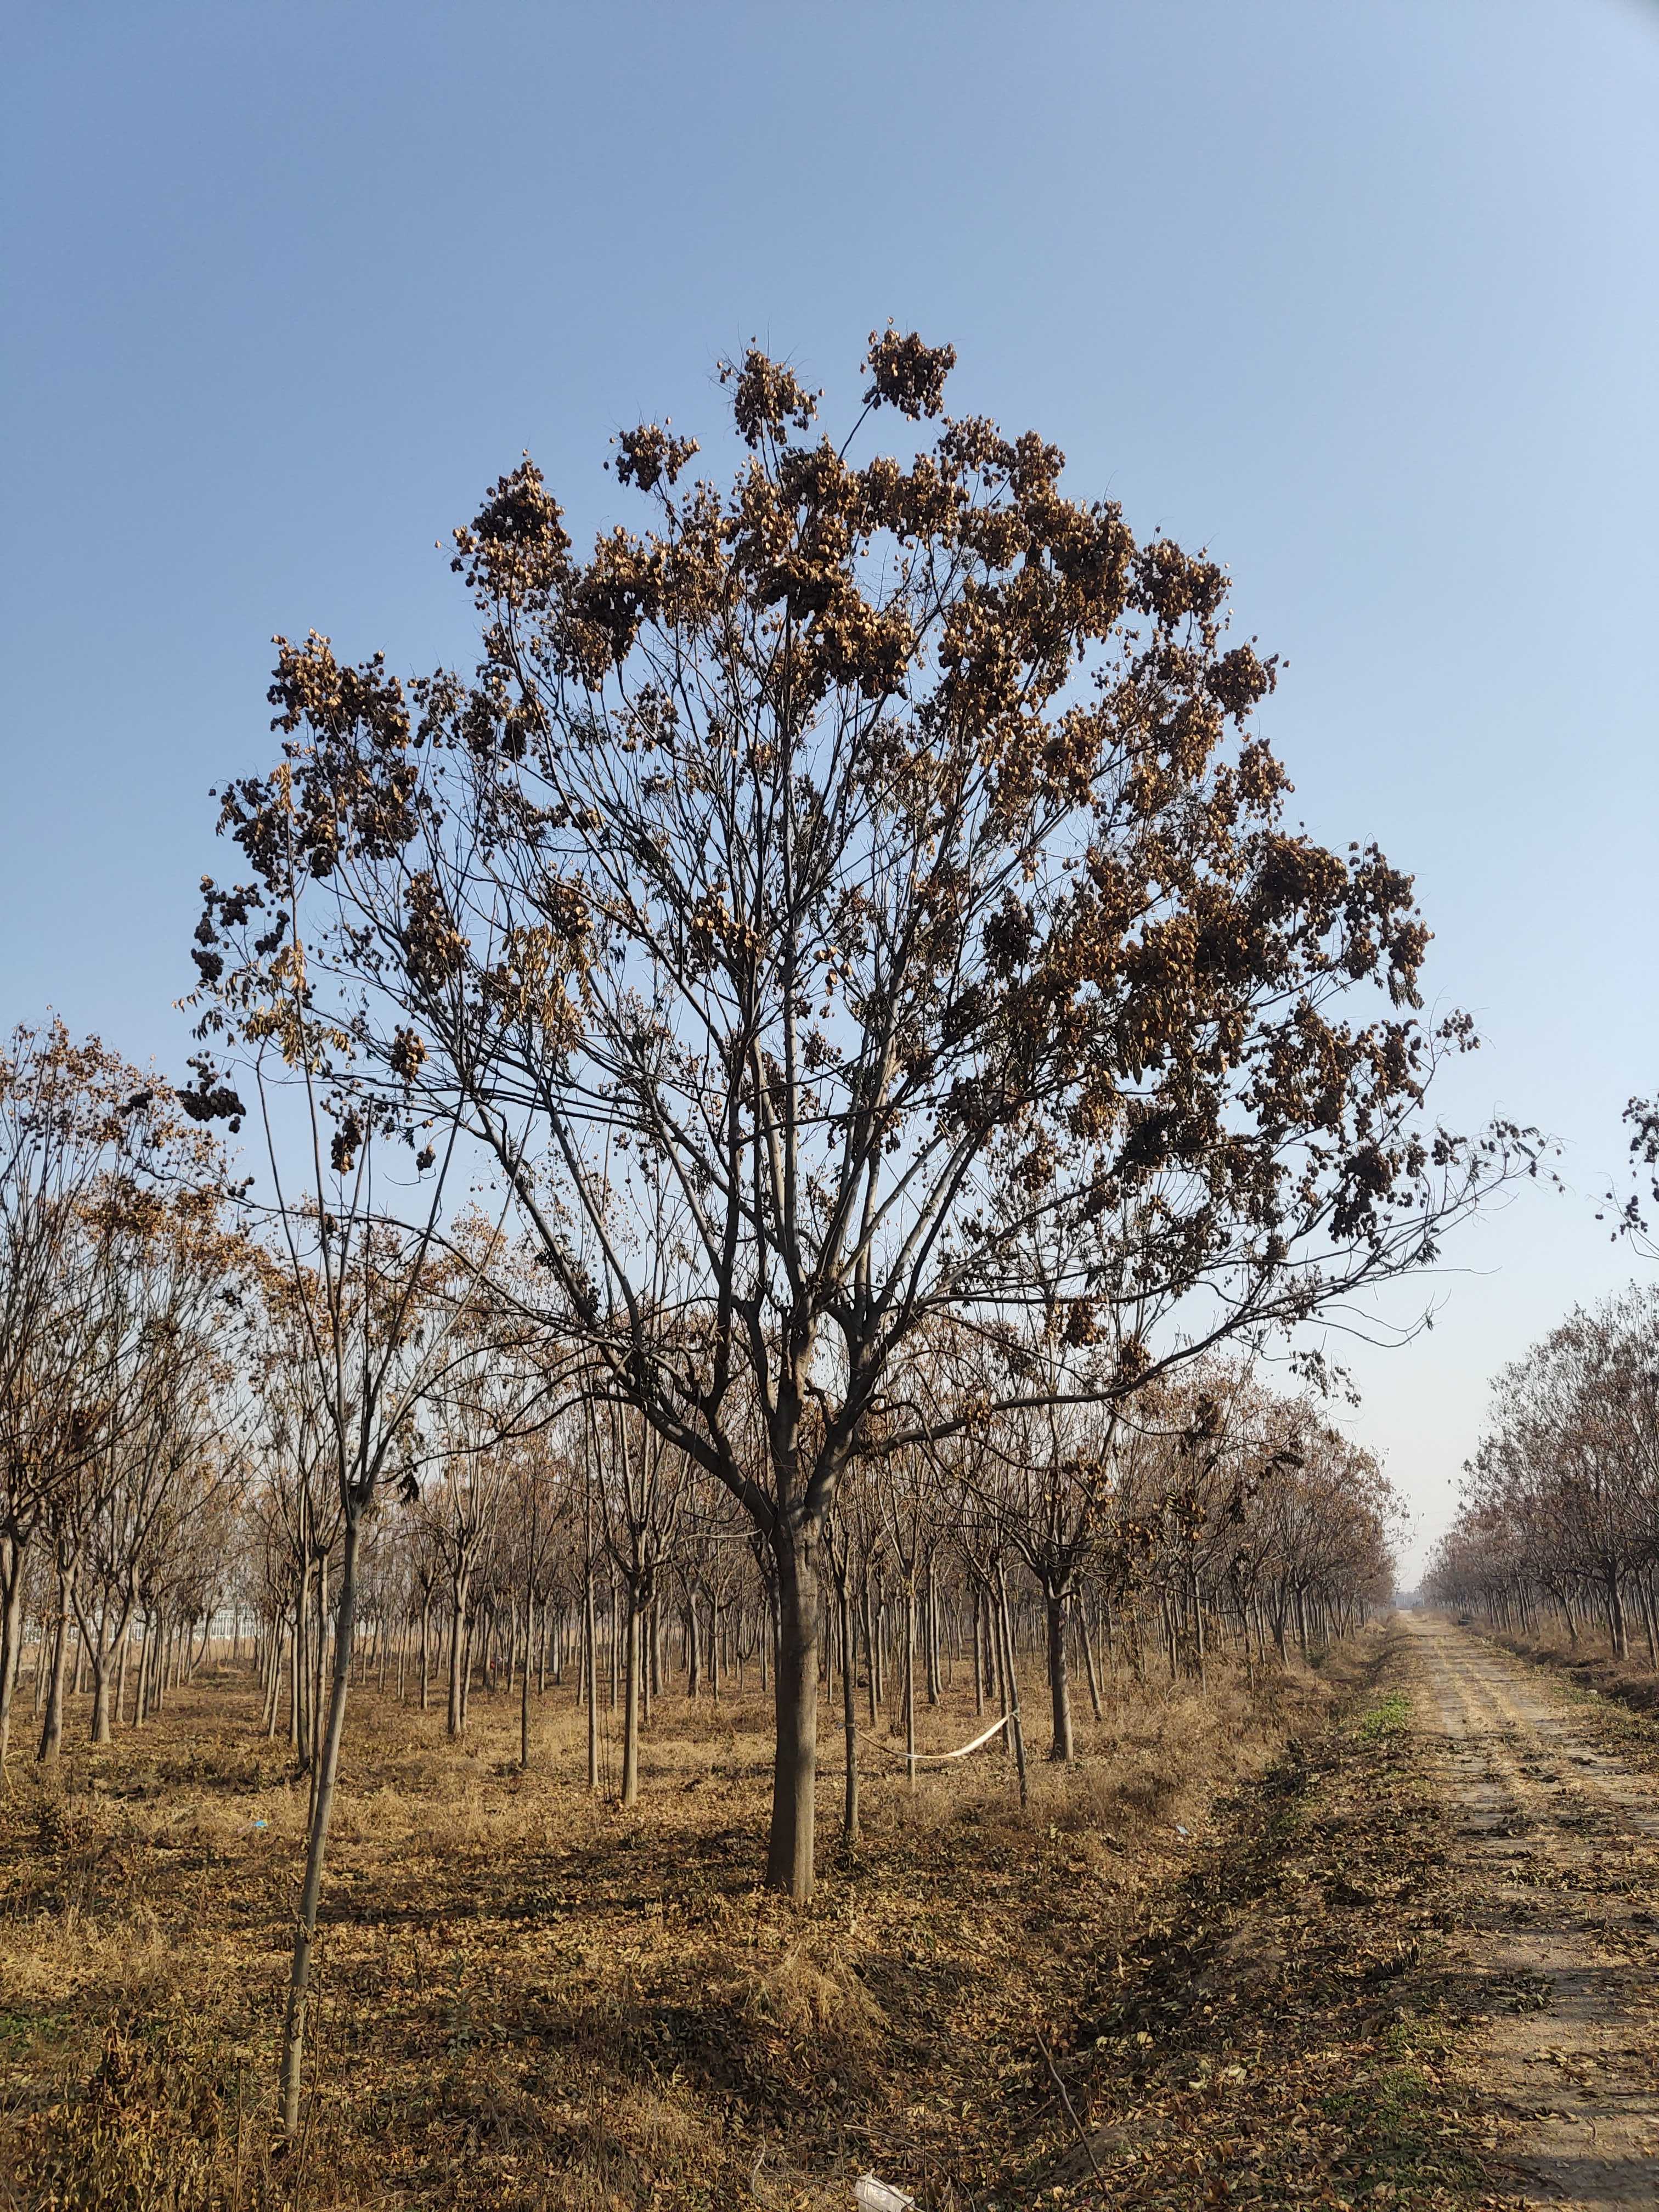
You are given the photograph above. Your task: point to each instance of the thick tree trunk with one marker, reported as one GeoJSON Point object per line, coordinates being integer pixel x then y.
{"type": "Point", "coordinates": [327, 1766]}
{"type": "Point", "coordinates": [789, 1857]}
{"type": "Point", "coordinates": [101, 1727]}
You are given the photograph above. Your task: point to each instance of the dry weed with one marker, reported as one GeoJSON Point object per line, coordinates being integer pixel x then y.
{"type": "Point", "coordinates": [804, 1994]}
{"type": "Point", "coordinates": [529, 1998]}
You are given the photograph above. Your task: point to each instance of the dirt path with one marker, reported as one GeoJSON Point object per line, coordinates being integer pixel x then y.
{"type": "Point", "coordinates": [1561, 1939]}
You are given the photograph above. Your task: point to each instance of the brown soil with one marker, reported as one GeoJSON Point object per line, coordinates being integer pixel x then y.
{"type": "Point", "coordinates": [1558, 1937]}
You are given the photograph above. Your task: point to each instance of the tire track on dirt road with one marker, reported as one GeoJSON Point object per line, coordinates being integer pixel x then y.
{"type": "Point", "coordinates": [1559, 1942]}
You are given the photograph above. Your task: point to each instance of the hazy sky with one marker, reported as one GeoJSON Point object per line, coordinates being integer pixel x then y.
{"type": "Point", "coordinates": [1364, 295]}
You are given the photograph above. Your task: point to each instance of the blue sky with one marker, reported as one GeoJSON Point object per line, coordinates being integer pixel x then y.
{"type": "Point", "coordinates": [1365, 296]}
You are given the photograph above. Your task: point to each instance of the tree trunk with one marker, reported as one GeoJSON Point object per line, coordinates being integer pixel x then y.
{"type": "Point", "coordinates": [457, 1717]}
{"type": "Point", "coordinates": [1616, 1617]}
{"type": "Point", "coordinates": [327, 1766]}
{"type": "Point", "coordinates": [274, 1686]}
{"type": "Point", "coordinates": [933, 1684]}
{"type": "Point", "coordinates": [789, 1858]}
{"type": "Point", "coordinates": [524, 1690]}
{"type": "Point", "coordinates": [51, 1731]}
{"type": "Point", "coordinates": [1089, 1667]}
{"type": "Point", "coordinates": [298, 1673]}
{"type": "Point", "coordinates": [319, 1674]}
{"type": "Point", "coordinates": [1199, 1655]}
{"type": "Point", "coordinates": [910, 1683]}
{"type": "Point", "coordinates": [1060, 1680]}
{"type": "Point", "coordinates": [101, 1728]}
{"type": "Point", "coordinates": [590, 1653]}
{"type": "Point", "coordinates": [849, 1721]}
{"type": "Point", "coordinates": [1005, 1625]}
{"type": "Point", "coordinates": [632, 1667]}
{"type": "Point", "coordinates": [11, 1636]}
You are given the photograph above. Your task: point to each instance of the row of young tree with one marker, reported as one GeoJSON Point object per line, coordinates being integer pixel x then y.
{"type": "Point", "coordinates": [587, 1554]}
{"type": "Point", "coordinates": [118, 1363]}
{"type": "Point", "coordinates": [844, 940]}
{"type": "Point", "coordinates": [1559, 1522]}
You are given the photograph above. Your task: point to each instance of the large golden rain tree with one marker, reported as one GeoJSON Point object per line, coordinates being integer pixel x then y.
{"type": "Point", "coordinates": [851, 876]}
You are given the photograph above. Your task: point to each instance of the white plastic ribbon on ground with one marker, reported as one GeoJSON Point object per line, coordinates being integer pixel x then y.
{"type": "Point", "coordinates": [871, 2194]}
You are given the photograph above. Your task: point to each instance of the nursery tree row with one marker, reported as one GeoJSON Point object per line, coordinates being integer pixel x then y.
{"type": "Point", "coordinates": [1559, 1517]}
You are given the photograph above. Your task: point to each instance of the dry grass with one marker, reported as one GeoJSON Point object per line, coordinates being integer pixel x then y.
{"type": "Point", "coordinates": [529, 1998]}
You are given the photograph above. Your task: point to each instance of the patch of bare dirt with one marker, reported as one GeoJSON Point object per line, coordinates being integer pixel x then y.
{"type": "Point", "coordinates": [1558, 1937]}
